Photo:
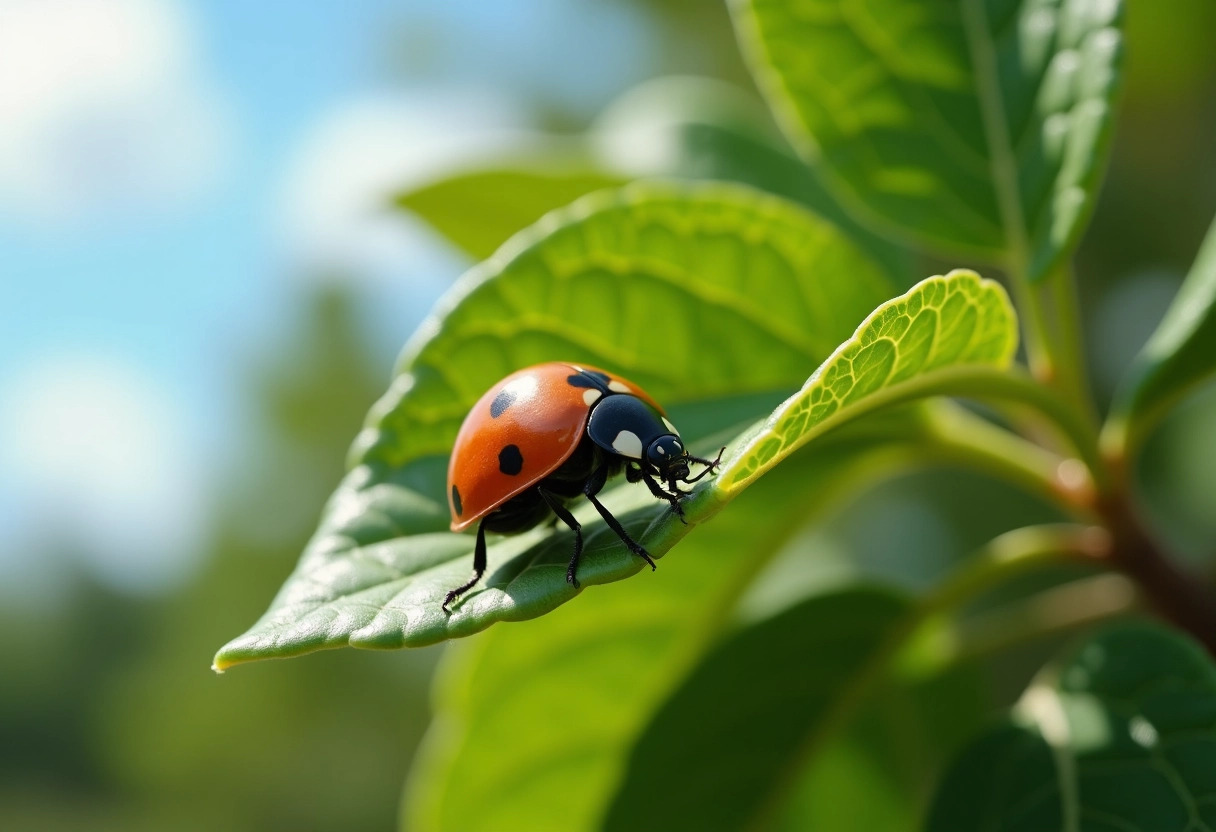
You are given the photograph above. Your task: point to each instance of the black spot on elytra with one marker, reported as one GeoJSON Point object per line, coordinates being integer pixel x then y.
{"type": "Point", "coordinates": [510, 460]}
{"type": "Point", "coordinates": [456, 501]}
{"type": "Point", "coordinates": [501, 402]}
{"type": "Point", "coordinates": [580, 380]}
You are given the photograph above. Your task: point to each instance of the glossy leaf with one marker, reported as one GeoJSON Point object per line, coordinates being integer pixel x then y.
{"type": "Point", "coordinates": [976, 127]}
{"type": "Point", "coordinates": [1180, 355]}
{"type": "Point", "coordinates": [570, 693]}
{"type": "Point", "coordinates": [910, 346]}
{"type": "Point", "coordinates": [1120, 736]}
{"type": "Point", "coordinates": [748, 291]}
{"type": "Point", "coordinates": [478, 210]}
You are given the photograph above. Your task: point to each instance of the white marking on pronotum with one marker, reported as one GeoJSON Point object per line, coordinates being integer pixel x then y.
{"type": "Point", "coordinates": [670, 426]}
{"type": "Point", "coordinates": [627, 443]}
{"type": "Point", "coordinates": [591, 396]}
{"type": "Point", "coordinates": [662, 450]}
{"type": "Point", "coordinates": [619, 386]}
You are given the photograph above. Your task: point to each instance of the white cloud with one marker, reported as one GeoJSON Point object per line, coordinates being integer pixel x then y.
{"type": "Point", "coordinates": [335, 211]}
{"type": "Point", "coordinates": [93, 461]}
{"type": "Point", "coordinates": [103, 106]}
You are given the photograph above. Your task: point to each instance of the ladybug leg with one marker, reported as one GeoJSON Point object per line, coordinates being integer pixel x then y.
{"type": "Point", "coordinates": [566, 517]}
{"type": "Point", "coordinates": [657, 490]}
{"type": "Point", "coordinates": [592, 487]}
{"type": "Point", "coordinates": [479, 568]}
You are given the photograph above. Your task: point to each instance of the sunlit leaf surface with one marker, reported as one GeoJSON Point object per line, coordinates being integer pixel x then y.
{"type": "Point", "coordinates": [716, 299]}
{"type": "Point", "coordinates": [910, 343]}
{"type": "Point", "coordinates": [977, 127]}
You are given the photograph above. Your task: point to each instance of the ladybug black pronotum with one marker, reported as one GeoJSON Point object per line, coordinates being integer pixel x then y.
{"type": "Point", "coordinates": [548, 434]}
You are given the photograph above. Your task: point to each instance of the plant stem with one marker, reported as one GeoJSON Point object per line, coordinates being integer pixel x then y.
{"type": "Point", "coordinates": [1014, 553]}
{"type": "Point", "coordinates": [1014, 385]}
{"type": "Point", "coordinates": [1032, 314]}
{"type": "Point", "coordinates": [1073, 379]}
{"type": "Point", "coordinates": [1179, 596]}
{"type": "Point", "coordinates": [1060, 609]}
{"type": "Point", "coordinates": [965, 438]}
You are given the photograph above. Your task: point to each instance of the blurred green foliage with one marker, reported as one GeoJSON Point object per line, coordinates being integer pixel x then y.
{"type": "Point", "coordinates": [109, 721]}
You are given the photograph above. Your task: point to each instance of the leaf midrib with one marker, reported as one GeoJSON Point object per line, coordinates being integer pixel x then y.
{"type": "Point", "coordinates": [996, 134]}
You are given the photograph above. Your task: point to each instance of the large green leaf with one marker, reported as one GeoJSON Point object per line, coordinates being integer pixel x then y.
{"type": "Point", "coordinates": [1180, 355]}
{"type": "Point", "coordinates": [729, 739]}
{"type": "Point", "coordinates": [477, 210]}
{"type": "Point", "coordinates": [1120, 736]}
{"type": "Point", "coordinates": [924, 342]}
{"type": "Point", "coordinates": [569, 694]}
{"type": "Point", "coordinates": [977, 127]}
{"type": "Point", "coordinates": [378, 568]}
{"type": "Point", "coordinates": [717, 299]}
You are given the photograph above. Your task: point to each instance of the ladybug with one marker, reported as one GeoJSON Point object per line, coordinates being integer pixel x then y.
{"type": "Point", "coordinates": [549, 434]}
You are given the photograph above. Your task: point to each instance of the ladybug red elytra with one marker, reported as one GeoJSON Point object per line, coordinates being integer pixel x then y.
{"type": "Point", "coordinates": [548, 434]}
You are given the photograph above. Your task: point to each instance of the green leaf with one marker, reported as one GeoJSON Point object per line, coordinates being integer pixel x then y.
{"type": "Point", "coordinates": [610, 661]}
{"type": "Point", "coordinates": [919, 344]}
{"type": "Point", "coordinates": [570, 693]}
{"type": "Point", "coordinates": [478, 210]}
{"type": "Point", "coordinates": [730, 738]}
{"type": "Point", "coordinates": [877, 771]}
{"type": "Point", "coordinates": [748, 291]}
{"type": "Point", "coordinates": [1119, 736]}
{"type": "Point", "coordinates": [976, 127]}
{"type": "Point", "coordinates": [1180, 355]}
{"type": "Point", "coordinates": [699, 128]}
{"type": "Point", "coordinates": [689, 128]}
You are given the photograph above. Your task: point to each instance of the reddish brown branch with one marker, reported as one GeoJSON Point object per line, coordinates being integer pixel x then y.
{"type": "Point", "coordinates": [1179, 596]}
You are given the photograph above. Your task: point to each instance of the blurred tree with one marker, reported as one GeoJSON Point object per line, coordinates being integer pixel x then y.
{"type": "Point", "coordinates": [114, 720]}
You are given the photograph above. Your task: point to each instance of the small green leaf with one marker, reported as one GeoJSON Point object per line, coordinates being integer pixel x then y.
{"type": "Point", "coordinates": [747, 291]}
{"type": "Point", "coordinates": [1120, 736]}
{"type": "Point", "coordinates": [570, 693]}
{"type": "Point", "coordinates": [912, 346]}
{"type": "Point", "coordinates": [1180, 355]}
{"type": "Point", "coordinates": [478, 210]}
{"type": "Point", "coordinates": [976, 127]}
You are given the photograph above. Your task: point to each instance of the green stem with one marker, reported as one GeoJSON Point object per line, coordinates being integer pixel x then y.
{"type": "Point", "coordinates": [967, 439]}
{"type": "Point", "coordinates": [1015, 386]}
{"type": "Point", "coordinates": [1060, 609]}
{"type": "Point", "coordinates": [1014, 553]}
{"type": "Point", "coordinates": [1072, 378]}
{"type": "Point", "coordinates": [1033, 316]}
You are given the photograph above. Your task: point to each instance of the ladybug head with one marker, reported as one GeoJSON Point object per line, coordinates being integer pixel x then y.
{"type": "Point", "coordinates": [668, 455]}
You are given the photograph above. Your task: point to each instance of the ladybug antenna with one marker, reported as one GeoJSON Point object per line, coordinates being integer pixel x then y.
{"type": "Point", "coordinates": [710, 464]}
